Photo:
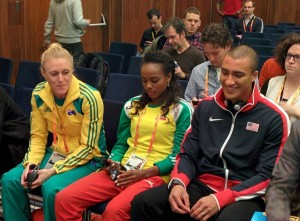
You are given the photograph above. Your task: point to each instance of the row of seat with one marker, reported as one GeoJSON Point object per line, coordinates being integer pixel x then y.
{"type": "Point", "coordinates": [116, 62]}
{"type": "Point", "coordinates": [6, 65]}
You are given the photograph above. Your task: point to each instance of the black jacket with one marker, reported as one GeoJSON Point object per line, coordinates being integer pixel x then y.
{"type": "Point", "coordinates": [14, 132]}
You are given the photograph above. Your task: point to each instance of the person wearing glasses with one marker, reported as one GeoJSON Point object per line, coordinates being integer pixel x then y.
{"type": "Point", "coordinates": [249, 22]}
{"type": "Point", "coordinates": [285, 89]}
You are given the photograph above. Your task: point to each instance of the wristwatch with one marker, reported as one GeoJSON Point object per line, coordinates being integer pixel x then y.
{"type": "Point", "coordinates": [174, 183]}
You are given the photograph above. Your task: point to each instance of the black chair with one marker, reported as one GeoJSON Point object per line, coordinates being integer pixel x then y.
{"type": "Point", "coordinates": [8, 88]}
{"type": "Point", "coordinates": [6, 65]}
{"type": "Point", "coordinates": [122, 87]}
{"type": "Point", "coordinates": [263, 50]}
{"type": "Point", "coordinates": [295, 31]}
{"type": "Point", "coordinates": [28, 77]}
{"type": "Point", "coordinates": [289, 29]}
{"type": "Point", "coordinates": [269, 26]}
{"type": "Point", "coordinates": [125, 49]}
{"type": "Point", "coordinates": [261, 61]}
{"type": "Point", "coordinates": [257, 41]}
{"type": "Point", "coordinates": [88, 75]}
{"type": "Point", "coordinates": [283, 24]}
{"type": "Point", "coordinates": [115, 61]}
{"type": "Point", "coordinates": [25, 103]}
{"type": "Point", "coordinates": [275, 37]}
{"type": "Point", "coordinates": [134, 67]}
{"type": "Point", "coordinates": [111, 117]}
{"type": "Point", "coordinates": [246, 35]}
{"type": "Point", "coordinates": [269, 31]}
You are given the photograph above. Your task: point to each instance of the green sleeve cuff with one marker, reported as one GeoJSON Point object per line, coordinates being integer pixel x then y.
{"type": "Point", "coordinates": [165, 166]}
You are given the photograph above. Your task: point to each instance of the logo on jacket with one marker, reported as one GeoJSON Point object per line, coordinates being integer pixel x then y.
{"type": "Point", "coordinates": [252, 126]}
{"type": "Point", "coordinates": [214, 119]}
{"type": "Point", "coordinates": [71, 112]}
{"type": "Point", "coordinates": [47, 109]}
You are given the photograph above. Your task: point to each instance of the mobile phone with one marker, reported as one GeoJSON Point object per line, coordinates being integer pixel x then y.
{"type": "Point", "coordinates": [195, 102]}
{"type": "Point", "coordinates": [176, 64]}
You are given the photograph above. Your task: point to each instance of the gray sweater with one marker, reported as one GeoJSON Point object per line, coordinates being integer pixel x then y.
{"type": "Point", "coordinates": [67, 18]}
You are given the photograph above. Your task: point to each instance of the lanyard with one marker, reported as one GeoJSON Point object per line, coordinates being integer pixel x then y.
{"type": "Point", "coordinates": [292, 98]}
{"type": "Point", "coordinates": [206, 84]}
{"type": "Point", "coordinates": [54, 128]}
{"type": "Point", "coordinates": [153, 135]}
{"type": "Point", "coordinates": [251, 25]}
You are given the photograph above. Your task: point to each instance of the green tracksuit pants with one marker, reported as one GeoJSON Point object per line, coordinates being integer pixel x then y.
{"type": "Point", "coordinates": [15, 202]}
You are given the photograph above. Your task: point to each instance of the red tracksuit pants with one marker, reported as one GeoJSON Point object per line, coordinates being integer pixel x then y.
{"type": "Point", "coordinates": [95, 188]}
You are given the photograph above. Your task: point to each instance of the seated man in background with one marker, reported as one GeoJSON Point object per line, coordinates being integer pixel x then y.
{"type": "Point", "coordinates": [205, 77]}
{"type": "Point", "coordinates": [283, 193]}
{"type": "Point", "coordinates": [152, 33]}
{"type": "Point", "coordinates": [249, 22]}
{"type": "Point", "coordinates": [192, 22]}
{"type": "Point", "coordinates": [185, 55]}
{"type": "Point", "coordinates": [14, 133]}
{"type": "Point", "coordinates": [228, 154]}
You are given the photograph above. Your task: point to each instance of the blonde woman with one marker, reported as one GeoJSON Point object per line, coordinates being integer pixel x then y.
{"type": "Point", "coordinates": [72, 111]}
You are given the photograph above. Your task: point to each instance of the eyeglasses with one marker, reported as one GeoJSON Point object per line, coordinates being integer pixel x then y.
{"type": "Point", "coordinates": [296, 57]}
{"type": "Point", "coordinates": [248, 7]}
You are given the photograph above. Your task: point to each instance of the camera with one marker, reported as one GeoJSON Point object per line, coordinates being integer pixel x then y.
{"type": "Point", "coordinates": [114, 169]}
{"type": "Point", "coordinates": [32, 175]}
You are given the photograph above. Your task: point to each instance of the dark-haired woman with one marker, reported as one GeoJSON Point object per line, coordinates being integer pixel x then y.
{"type": "Point", "coordinates": [151, 129]}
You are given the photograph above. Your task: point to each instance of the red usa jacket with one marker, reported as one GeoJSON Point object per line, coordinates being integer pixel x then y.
{"type": "Point", "coordinates": [233, 153]}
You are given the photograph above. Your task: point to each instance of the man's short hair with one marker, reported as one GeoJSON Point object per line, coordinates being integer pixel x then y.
{"type": "Point", "coordinates": [177, 24]}
{"type": "Point", "coordinates": [153, 12]}
{"type": "Point", "coordinates": [193, 10]}
{"type": "Point", "coordinates": [217, 34]}
{"type": "Point", "coordinates": [253, 3]}
{"type": "Point", "coordinates": [244, 51]}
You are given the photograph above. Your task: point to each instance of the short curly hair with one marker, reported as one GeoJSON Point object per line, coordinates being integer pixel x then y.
{"type": "Point", "coordinates": [217, 34]}
{"type": "Point", "coordinates": [284, 45]}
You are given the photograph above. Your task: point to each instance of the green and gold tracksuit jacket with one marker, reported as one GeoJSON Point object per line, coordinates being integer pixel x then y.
{"type": "Point", "coordinates": [137, 132]}
{"type": "Point", "coordinates": [76, 125]}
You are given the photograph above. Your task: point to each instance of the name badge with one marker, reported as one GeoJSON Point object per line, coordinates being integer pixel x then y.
{"type": "Point", "coordinates": [54, 158]}
{"type": "Point", "coordinates": [135, 163]}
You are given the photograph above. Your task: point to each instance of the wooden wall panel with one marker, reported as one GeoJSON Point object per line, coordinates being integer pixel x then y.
{"type": "Point", "coordinates": [34, 28]}
{"type": "Point", "coordinates": [113, 12]}
{"type": "Point", "coordinates": [92, 40]}
{"type": "Point", "coordinates": [135, 20]}
{"type": "Point", "coordinates": [21, 32]}
{"type": "Point", "coordinates": [15, 43]}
